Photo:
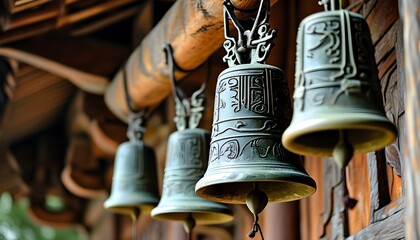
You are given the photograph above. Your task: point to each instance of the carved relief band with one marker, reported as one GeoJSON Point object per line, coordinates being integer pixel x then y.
{"type": "Point", "coordinates": [186, 161]}
{"type": "Point", "coordinates": [252, 109]}
{"type": "Point", "coordinates": [337, 90]}
{"type": "Point", "coordinates": [334, 58]}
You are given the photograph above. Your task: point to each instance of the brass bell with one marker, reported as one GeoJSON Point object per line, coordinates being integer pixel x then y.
{"type": "Point", "coordinates": [134, 183]}
{"type": "Point", "coordinates": [186, 163]}
{"type": "Point", "coordinates": [134, 188]}
{"type": "Point", "coordinates": [251, 110]}
{"type": "Point", "coordinates": [338, 106]}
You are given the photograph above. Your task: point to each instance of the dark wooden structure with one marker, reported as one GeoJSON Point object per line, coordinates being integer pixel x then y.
{"type": "Point", "coordinates": [61, 89]}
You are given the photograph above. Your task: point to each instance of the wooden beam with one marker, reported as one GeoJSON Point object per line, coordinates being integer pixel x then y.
{"type": "Point", "coordinates": [194, 28]}
{"type": "Point", "coordinates": [411, 23]}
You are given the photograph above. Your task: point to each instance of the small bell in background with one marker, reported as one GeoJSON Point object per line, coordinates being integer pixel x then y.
{"type": "Point", "coordinates": [338, 109]}
{"type": "Point", "coordinates": [252, 107]}
{"type": "Point", "coordinates": [134, 184]}
{"type": "Point", "coordinates": [186, 162]}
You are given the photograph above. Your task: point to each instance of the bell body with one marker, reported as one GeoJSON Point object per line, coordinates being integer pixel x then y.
{"type": "Point", "coordinates": [134, 183]}
{"type": "Point", "coordinates": [336, 87]}
{"type": "Point", "coordinates": [186, 163]}
{"type": "Point", "coordinates": [251, 110]}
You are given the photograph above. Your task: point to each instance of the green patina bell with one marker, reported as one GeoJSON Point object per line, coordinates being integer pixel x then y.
{"type": "Point", "coordinates": [338, 106]}
{"type": "Point", "coordinates": [186, 162]}
{"type": "Point", "coordinates": [134, 183]}
{"type": "Point", "coordinates": [252, 108]}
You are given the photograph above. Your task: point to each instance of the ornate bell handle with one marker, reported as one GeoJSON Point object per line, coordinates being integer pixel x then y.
{"type": "Point", "coordinates": [252, 45]}
{"type": "Point", "coordinates": [188, 113]}
{"type": "Point", "coordinates": [136, 119]}
{"type": "Point", "coordinates": [331, 5]}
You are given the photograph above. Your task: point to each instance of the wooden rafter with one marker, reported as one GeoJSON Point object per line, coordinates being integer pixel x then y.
{"type": "Point", "coordinates": [194, 28]}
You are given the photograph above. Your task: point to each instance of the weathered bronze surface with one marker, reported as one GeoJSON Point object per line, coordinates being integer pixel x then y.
{"type": "Point", "coordinates": [186, 162]}
{"type": "Point", "coordinates": [134, 184]}
{"type": "Point", "coordinates": [251, 110]}
{"type": "Point", "coordinates": [337, 96]}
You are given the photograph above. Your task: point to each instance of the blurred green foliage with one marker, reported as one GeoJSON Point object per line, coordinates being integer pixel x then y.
{"type": "Point", "coordinates": [16, 225]}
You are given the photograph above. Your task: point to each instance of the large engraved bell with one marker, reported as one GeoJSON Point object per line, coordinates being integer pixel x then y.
{"type": "Point", "coordinates": [337, 99]}
{"type": "Point", "coordinates": [134, 183]}
{"type": "Point", "coordinates": [186, 163]}
{"type": "Point", "coordinates": [251, 110]}
{"type": "Point", "coordinates": [247, 162]}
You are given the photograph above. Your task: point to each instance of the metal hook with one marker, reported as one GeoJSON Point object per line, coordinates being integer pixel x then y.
{"type": "Point", "coordinates": [185, 109]}
{"type": "Point", "coordinates": [253, 44]}
{"type": "Point", "coordinates": [136, 119]}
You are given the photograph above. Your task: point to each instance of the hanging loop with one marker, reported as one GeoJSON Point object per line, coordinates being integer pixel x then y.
{"type": "Point", "coordinates": [188, 112]}
{"type": "Point", "coordinates": [252, 45]}
{"type": "Point", "coordinates": [330, 5]}
{"type": "Point", "coordinates": [136, 119]}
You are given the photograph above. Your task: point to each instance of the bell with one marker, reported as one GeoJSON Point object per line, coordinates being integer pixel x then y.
{"type": "Point", "coordinates": [134, 183]}
{"type": "Point", "coordinates": [251, 110]}
{"type": "Point", "coordinates": [338, 106]}
{"type": "Point", "coordinates": [186, 162]}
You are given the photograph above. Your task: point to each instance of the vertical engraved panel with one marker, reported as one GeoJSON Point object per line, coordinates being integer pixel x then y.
{"type": "Point", "coordinates": [335, 62]}
{"type": "Point", "coordinates": [186, 162]}
{"type": "Point", "coordinates": [252, 109]}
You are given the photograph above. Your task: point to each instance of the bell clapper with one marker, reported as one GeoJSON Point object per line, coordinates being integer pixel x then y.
{"type": "Point", "coordinates": [343, 150]}
{"type": "Point", "coordinates": [348, 201]}
{"type": "Point", "coordinates": [342, 153]}
{"type": "Point", "coordinates": [256, 201]}
{"type": "Point", "coordinates": [189, 225]}
{"type": "Point", "coordinates": [134, 217]}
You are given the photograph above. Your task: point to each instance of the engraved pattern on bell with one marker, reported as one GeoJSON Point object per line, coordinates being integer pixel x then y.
{"type": "Point", "coordinates": [251, 110]}
{"type": "Point", "coordinates": [134, 183]}
{"type": "Point", "coordinates": [186, 163]}
{"type": "Point", "coordinates": [335, 57]}
{"type": "Point", "coordinates": [247, 103]}
{"type": "Point", "coordinates": [336, 87]}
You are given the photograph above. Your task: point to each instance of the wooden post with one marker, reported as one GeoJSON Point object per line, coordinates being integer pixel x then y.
{"type": "Point", "coordinates": [194, 28]}
{"type": "Point", "coordinates": [281, 221]}
{"type": "Point", "coordinates": [410, 16]}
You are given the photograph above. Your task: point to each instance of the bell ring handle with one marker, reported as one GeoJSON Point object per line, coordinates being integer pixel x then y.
{"type": "Point", "coordinates": [252, 45]}
{"type": "Point", "coordinates": [136, 119]}
{"type": "Point", "coordinates": [331, 5]}
{"type": "Point", "coordinates": [188, 112]}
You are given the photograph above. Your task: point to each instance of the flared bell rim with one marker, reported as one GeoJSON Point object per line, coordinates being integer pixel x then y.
{"type": "Point", "coordinates": [211, 215]}
{"type": "Point", "coordinates": [129, 210]}
{"type": "Point", "coordinates": [229, 187]}
{"type": "Point", "coordinates": [366, 132]}
{"type": "Point", "coordinates": [126, 205]}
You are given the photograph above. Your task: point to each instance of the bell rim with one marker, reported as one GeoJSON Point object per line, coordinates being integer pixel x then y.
{"type": "Point", "coordinates": [213, 180]}
{"type": "Point", "coordinates": [345, 121]}
{"type": "Point", "coordinates": [175, 213]}
{"type": "Point", "coordinates": [118, 204]}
